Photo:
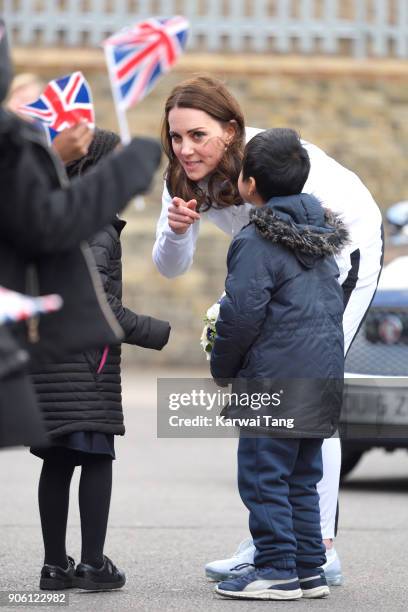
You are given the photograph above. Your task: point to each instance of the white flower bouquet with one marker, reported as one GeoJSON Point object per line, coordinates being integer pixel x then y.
{"type": "Point", "coordinates": [208, 336]}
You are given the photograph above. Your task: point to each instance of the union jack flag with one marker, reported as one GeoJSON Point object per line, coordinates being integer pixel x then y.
{"type": "Point", "coordinates": [63, 103]}
{"type": "Point", "coordinates": [18, 307]}
{"type": "Point", "coordinates": [137, 56]}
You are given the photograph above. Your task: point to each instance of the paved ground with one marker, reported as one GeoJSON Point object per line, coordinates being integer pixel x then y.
{"type": "Point", "coordinates": [175, 506]}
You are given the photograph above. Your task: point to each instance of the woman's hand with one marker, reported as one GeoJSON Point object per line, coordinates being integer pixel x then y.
{"type": "Point", "coordinates": [182, 214]}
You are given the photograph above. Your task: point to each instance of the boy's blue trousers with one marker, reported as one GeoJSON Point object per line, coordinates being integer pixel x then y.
{"type": "Point", "coordinates": [277, 480]}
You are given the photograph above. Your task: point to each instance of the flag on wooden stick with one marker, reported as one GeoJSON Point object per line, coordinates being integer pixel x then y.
{"type": "Point", "coordinates": [137, 56]}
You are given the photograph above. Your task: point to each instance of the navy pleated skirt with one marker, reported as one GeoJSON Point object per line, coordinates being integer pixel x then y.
{"type": "Point", "coordinates": [77, 446]}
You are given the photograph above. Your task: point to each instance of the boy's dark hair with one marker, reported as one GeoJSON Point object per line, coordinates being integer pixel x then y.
{"type": "Point", "coordinates": [278, 162]}
{"type": "Point", "coordinates": [103, 143]}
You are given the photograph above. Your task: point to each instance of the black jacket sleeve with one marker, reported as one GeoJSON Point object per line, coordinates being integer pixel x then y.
{"type": "Point", "coordinates": [243, 309]}
{"type": "Point", "coordinates": [38, 216]}
{"type": "Point", "coordinates": [140, 330]}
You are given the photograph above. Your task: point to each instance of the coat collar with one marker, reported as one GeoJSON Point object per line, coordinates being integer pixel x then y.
{"type": "Point", "coordinates": [301, 224]}
{"type": "Point", "coordinates": [118, 224]}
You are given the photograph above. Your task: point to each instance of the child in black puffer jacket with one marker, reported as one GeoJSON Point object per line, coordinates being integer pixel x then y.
{"type": "Point", "coordinates": [80, 398]}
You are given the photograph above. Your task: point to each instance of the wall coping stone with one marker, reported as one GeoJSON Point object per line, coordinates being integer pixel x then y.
{"type": "Point", "coordinates": [45, 59]}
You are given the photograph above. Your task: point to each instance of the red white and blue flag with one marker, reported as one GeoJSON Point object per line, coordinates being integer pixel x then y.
{"type": "Point", "coordinates": [63, 103]}
{"type": "Point", "coordinates": [18, 307]}
{"type": "Point", "coordinates": [137, 56]}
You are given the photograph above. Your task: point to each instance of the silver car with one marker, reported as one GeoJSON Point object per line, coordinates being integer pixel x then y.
{"type": "Point", "coordinates": [375, 408]}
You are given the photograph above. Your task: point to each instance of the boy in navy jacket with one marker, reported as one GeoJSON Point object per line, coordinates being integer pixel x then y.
{"type": "Point", "coordinates": [281, 319]}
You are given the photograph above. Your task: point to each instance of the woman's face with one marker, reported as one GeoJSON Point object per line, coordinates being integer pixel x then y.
{"type": "Point", "coordinates": [198, 140]}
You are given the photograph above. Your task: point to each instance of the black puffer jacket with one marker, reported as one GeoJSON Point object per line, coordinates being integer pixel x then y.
{"type": "Point", "coordinates": [83, 392]}
{"type": "Point", "coordinates": [281, 318]}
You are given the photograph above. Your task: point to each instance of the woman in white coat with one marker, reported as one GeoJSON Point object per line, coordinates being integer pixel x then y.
{"type": "Point", "coordinates": [203, 137]}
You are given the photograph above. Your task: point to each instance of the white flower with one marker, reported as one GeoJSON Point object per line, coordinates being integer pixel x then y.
{"type": "Point", "coordinates": [213, 312]}
{"type": "Point", "coordinates": [205, 343]}
{"type": "Point", "coordinates": [208, 335]}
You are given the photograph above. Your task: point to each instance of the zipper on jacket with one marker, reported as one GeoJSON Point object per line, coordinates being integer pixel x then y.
{"type": "Point", "coordinates": [103, 360]}
{"type": "Point", "coordinates": [32, 285]}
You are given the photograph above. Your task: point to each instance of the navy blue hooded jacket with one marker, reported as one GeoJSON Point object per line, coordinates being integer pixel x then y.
{"type": "Point", "coordinates": [281, 317]}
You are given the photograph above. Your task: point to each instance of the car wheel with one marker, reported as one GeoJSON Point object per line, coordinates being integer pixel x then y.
{"type": "Point", "coordinates": [349, 460]}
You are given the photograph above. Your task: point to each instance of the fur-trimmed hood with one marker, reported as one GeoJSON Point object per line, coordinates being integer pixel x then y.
{"type": "Point", "coordinates": [301, 224]}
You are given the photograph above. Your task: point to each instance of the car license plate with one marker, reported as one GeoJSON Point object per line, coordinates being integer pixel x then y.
{"type": "Point", "coordinates": [375, 404]}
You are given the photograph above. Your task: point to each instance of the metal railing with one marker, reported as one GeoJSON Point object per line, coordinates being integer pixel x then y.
{"type": "Point", "coordinates": [359, 28]}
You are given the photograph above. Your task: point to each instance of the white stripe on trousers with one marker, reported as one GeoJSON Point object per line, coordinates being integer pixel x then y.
{"type": "Point", "coordinates": [360, 298]}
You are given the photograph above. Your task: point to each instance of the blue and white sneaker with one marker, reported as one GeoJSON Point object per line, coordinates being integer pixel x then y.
{"type": "Point", "coordinates": [332, 568]}
{"type": "Point", "coordinates": [241, 562]}
{"type": "Point", "coordinates": [263, 583]}
{"type": "Point", "coordinates": [313, 583]}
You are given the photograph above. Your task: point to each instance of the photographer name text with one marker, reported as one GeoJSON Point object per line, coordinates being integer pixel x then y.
{"type": "Point", "coordinates": [221, 421]}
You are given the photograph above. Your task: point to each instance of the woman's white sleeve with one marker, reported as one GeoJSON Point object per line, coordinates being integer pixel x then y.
{"type": "Point", "coordinates": [173, 253]}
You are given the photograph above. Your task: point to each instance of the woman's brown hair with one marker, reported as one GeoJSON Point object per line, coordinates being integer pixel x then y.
{"type": "Point", "coordinates": [211, 96]}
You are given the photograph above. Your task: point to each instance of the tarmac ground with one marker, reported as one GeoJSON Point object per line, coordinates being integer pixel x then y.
{"type": "Point", "coordinates": [175, 507]}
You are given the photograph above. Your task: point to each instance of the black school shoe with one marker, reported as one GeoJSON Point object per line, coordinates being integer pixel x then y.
{"type": "Point", "coordinates": [104, 578]}
{"type": "Point", "coordinates": [54, 578]}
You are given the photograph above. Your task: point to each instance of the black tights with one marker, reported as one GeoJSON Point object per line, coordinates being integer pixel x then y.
{"type": "Point", "coordinates": [95, 488]}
